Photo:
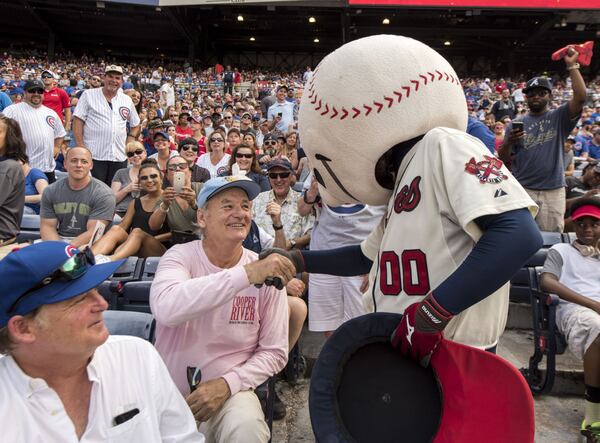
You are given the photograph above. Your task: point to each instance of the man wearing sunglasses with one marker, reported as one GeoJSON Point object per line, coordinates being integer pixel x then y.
{"type": "Point", "coordinates": [296, 227]}
{"type": "Point", "coordinates": [56, 98]}
{"type": "Point", "coordinates": [534, 144]}
{"type": "Point", "coordinates": [42, 128]}
{"type": "Point", "coordinates": [63, 378]}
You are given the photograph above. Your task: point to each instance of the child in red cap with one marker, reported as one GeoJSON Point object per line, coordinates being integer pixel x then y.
{"type": "Point", "coordinates": [572, 272]}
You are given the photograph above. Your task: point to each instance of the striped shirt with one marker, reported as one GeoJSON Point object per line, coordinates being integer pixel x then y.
{"type": "Point", "coordinates": [40, 127]}
{"type": "Point", "coordinates": [105, 129]}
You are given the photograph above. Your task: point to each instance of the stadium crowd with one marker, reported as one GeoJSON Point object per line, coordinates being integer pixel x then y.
{"type": "Point", "coordinates": [142, 160]}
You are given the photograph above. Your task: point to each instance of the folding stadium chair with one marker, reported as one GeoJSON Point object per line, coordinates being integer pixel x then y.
{"type": "Point", "coordinates": [138, 324]}
{"type": "Point", "coordinates": [548, 342]}
{"type": "Point", "coordinates": [267, 390]}
{"type": "Point", "coordinates": [130, 270]}
{"type": "Point", "coordinates": [149, 268]}
{"type": "Point", "coordinates": [30, 228]}
{"type": "Point", "coordinates": [135, 296]}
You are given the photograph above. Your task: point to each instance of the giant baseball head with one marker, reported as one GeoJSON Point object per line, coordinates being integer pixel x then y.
{"type": "Point", "coordinates": [366, 97]}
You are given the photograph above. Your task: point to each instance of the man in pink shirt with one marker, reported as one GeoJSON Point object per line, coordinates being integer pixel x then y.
{"type": "Point", "coordinates": [212, 317]}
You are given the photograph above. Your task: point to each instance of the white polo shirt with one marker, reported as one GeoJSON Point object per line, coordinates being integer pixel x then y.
{"type": "Point", "coordinates": [126, 373]}
{"type": "Point", "coordinates": [105, 129]}
{"type": "Point", "coordinates": [40, 127]}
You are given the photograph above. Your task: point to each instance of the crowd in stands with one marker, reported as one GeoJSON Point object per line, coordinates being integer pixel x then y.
{"type": "Point", "coordinates": [139, 151]}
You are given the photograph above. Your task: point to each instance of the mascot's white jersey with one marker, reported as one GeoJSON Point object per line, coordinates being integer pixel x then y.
{"type": "Point", "coordinates": [444, 183]}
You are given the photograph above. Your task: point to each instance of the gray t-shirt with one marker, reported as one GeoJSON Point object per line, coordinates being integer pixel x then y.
{"type": "Point", "coordinates": [122, 176]}
{"type": "Point", "coordinates": [12, 197]}
{"type": "Point", "coordinates": [73, 209]}
{"type": "Point", "coordinates": [537, 163]}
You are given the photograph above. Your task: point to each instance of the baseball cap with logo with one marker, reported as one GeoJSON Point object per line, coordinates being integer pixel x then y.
{"type": "Point", "coordinates": [537, 82]}
{"type": "Point", "coordinates": [45, 273]}
{"type": "Point", "coordinates": [33, 84]}
{"type": "Point", "coordinates": [215, 185]}
{"type": "Point", "coordinates": [113, 68]}
{"type": "Point", "coordinates": [162, 134]}
{"type": "Point", "coordinates": [279, 162]}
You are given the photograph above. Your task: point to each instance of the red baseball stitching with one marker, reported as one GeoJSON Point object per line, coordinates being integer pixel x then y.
{"type": "Point", "coordinates": [357, 111]}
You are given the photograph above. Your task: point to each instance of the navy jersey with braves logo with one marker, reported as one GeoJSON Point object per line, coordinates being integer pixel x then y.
{"type": "Point", "coordinates": [445, 182]}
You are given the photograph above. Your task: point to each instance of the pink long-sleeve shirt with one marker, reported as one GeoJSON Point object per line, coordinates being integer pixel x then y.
{"type": "Point", "coordinates": [214, 319]}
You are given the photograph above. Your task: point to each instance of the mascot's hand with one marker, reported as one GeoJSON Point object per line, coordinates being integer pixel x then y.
{"type": "Point", "coordinates": [420, 331]}
{"type": "Point", "coordinates": [294, 256]}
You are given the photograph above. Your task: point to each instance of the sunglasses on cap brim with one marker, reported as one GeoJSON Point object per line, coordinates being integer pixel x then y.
{"type": "Point", "coordinates": [70, 270]}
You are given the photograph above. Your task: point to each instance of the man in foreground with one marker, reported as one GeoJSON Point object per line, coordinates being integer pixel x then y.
{"type": "Point", "coordinates": [63, 379]}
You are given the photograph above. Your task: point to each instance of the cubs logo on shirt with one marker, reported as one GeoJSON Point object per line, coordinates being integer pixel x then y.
{"type": "Point", "coordinates": [51, 121]}
{"type": "Point", "coordinates": [124, 112]}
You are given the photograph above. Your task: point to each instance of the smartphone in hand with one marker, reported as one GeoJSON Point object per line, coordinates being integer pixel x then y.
{"type": "Point", "coordinates": [517, 125]}
{"type": "Point", "coordinates": [178, 181]}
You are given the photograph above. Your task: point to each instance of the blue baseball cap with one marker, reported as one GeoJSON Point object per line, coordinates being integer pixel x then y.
{"type": "Point", "coordinates": [162, 134]}
{"type": "Point", "coordinates": [215, 185]}
{"type": "Point", "coordinates": [24, 269]}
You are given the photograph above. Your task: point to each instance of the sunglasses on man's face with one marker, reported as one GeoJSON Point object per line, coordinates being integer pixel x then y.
{"type": "Point", "coordinates": [189, 148]}
{"type": "Point", "coordinates": [180, 166]}
{"type": "Point", "coordinates": [227, 118]}
{"type": "Point", "coordinates": [136, 152]}
{"type": "Point", "coordinates": [46, 76]}
{"type": "Point", "coordinates": [148, 177]}
{"type": "Point", "coordinates": [276, 175]}
{"type": "Point", "coordinates": [270, 143]}
{"type": "Point", "coordinates": [36, 91]}
{"type": "Point", "coordinates": [238, 155]}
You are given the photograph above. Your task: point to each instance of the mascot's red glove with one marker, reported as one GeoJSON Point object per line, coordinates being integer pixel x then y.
{"type": "Point", "coordinates": [584, 49]}
{"type": "Point", "coordinates": [420, 331]}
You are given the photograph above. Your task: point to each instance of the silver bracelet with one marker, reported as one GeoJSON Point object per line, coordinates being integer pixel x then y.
{"type": "Point", "coordinates": [575, 66]}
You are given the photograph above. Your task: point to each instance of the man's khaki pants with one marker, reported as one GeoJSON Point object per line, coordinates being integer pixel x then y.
{"type": "Point", "coordinates": [552, 203]}
{"type": "Point", "coordinates": [240, 420]}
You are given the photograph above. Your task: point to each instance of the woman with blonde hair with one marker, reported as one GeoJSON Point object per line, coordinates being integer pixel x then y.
{"type": "Point", "coordinates": [125, 184]}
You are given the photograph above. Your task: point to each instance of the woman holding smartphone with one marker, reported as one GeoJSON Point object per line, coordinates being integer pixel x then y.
{"type": "Point", "coordinates": [177, 205]}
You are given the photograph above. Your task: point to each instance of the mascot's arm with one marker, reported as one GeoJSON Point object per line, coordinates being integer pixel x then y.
{"type": "Point", "coordinates": [344, 262]}
{"type": "Point", "coordinates": [508, 240]}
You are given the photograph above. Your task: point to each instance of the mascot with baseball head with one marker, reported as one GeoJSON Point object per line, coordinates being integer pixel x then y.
{"type": "Point", "coordinates": [383, 122]}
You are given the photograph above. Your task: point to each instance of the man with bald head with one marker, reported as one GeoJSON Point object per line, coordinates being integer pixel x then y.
{"type": "Point", "coordinates": [71, 207]}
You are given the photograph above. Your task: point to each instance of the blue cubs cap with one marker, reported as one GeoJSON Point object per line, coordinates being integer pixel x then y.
{"type": "Point", "coordinates": [161, 133]}
{"type": "Point", "coordinates": [215, 185]}
{"type": "Point", "coordinates": [23, 270]}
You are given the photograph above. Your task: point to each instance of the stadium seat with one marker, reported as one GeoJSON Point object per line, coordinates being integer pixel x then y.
{"type": "Point", "coordinates": [548, 342]}
{"type": "Point", "coordinates": [551, 238]}
{"type": "Point", "coordinates": [110, 291]}
{"type": "Point", "coordinates": [135, 296]}
{"type": "Point", "coordinates": [149, 268]}
{"type": "Point", "coordinates": [137, 324]}
{"type": "Point", "coordinates": [30, 228]}
{"type": "Point", "coordinates": [130, 270]}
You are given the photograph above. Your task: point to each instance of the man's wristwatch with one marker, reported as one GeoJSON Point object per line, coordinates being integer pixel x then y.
{"type": "Point", "coordinates": [573, 66]}
{"type": "Point", "coordinates": [292, 243]}
{"type": "Point", "coordinates": [277, 227]}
